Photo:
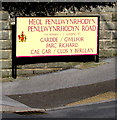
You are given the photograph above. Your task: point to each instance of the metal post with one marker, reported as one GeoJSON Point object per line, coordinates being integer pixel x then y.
{"type": "Point", "coordinates": [14, 62]}
{"type": "Point", "coordinates": [96, 58]}
{"type": "Point", "coordinates": [14, 71]}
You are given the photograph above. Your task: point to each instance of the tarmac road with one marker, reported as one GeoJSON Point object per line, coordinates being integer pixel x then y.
{"type": "Point", "coordinates": [99, 110]}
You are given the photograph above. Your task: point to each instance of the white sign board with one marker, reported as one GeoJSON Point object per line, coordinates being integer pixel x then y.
{"type": "Point", "coordinates": [56, 36]}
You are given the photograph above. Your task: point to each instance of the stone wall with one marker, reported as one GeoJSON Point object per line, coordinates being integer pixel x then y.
{"type": "Point", "coordinates": [107, 41]}
{"type": "Point", "coordinates": [5, 44]}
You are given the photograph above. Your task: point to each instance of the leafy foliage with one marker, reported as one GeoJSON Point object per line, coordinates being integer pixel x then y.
{"type": "Point", "coordinates": [48, 8]}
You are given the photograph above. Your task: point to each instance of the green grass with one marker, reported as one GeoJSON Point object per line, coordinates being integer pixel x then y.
{"type": "Point", "coordinates": [88, 65]}
{"type": "Point", "coordinates": [6, 80]}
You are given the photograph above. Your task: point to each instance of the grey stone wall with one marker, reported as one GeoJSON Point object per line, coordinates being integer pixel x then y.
{"type": "Point", "coordinates": [5, 45]}
{"type": "Point", "coordinates": [107, 41]}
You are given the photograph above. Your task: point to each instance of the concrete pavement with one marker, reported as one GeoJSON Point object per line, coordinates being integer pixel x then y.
{"type": "Point", "coordinates": [58, 80]}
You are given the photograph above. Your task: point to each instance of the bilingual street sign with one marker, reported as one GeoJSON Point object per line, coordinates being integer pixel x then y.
{"type": "Point", "coordinates": [53, 39]}
{"type": "Point", "coordinates": [56, 36]}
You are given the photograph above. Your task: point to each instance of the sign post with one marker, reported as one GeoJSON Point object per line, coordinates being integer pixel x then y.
{"type": "Point", "coordinates": [14, 60]}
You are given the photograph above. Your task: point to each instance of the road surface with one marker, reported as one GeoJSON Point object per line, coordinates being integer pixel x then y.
{"type": "Point", "coordinates": [99, 110]}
